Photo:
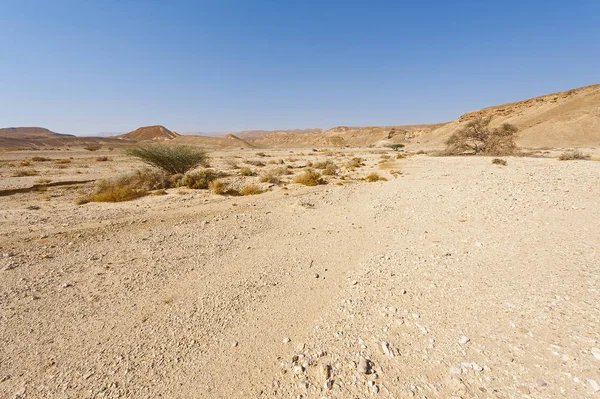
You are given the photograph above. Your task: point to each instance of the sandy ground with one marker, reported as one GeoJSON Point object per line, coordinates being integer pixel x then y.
{"type": "Point", "coordinates": [458, 278]}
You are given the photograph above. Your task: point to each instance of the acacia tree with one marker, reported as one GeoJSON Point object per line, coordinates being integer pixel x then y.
{"type": "Point", "coordinates": [477, 137]}
{"type": "Point", "coordinates": [176, 159]}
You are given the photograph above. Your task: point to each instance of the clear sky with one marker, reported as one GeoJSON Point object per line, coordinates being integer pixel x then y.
{"type": "Point", "coordinates": [86, 66]}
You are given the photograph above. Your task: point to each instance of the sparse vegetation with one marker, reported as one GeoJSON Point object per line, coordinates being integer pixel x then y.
{"type": "Point", "coordinates": [24, 173]}
{"type": "Point", "coordinates": [498, 161]}
{"type": "Point", "coordinates": [251, 189]}
{"type": "Point", "coordinates": [574, 156]}
{"type": "Point", "coordinates": [25, 163]}
{"type": "Point", "coordinates": [41, 159]}
{"type": "Point", "coordinates": [261, 154]}
{"type": "Point", "coordinates": [477, 137]}
{"type": "Point", "coordinates": [273, 175]}
{"type": "Point", "coordinates": [395, 147]}
{"type": "Point", "coordinates": [171, 159]}
{"type": "Point", "coordinates": [116, 194]}
{"type": "Point", "coordinates": [355, 162]}
{"type": "Point", "coordinates": [92, 147]}
{"type": "Point", "coordinates": [309, 178]}
{"type": "Point", "coordinates": [62, 161]}
{"type": "Point", "coordinates": [330, 171]}
{"type": "Point", "coordinates": [255, 163]}
{"type": "Point", "coordinates": [324, 164]}
{"type": "Point", "coordinates": [232, 163]}
{"type": "Point", "coordinates": [129, 186]}
{"type": "Point", "coordinates": [217, 187]}
{"type": "Point", "coordinates": [246, 172]}
{"type": "Point", "coordinates": [199, 179]}
{"type": "Point", "coordinates": [373, 177]}
{"type": "Point", "coordinates": [102, 159]}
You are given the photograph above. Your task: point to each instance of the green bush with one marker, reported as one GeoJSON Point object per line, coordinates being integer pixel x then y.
{"type": "Point", "coordinates": [395, 147]}
{"type": "Point", "coordinates": [171, 159]}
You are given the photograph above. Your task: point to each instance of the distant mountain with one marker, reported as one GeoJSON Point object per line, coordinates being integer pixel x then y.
{"type": "Point", "coordinates": [150, 133]}
{"type": "Point", "coordinates": [29, 133]}
{"type": "Point", "coordinates": [212, 142]}
{"type": "Point", "coordinates": [257, 134]}
{"type": "Point", "coordinates": [39, 137]}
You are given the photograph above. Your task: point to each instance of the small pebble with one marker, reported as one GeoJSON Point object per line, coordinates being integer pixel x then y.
{"type": "Point", "coordinates": [286, 340]}
{"type": "Point", "coordinates": [593, 384]}
{"type": "Point", "coordinates": [363, 366]}
{"type": "Point", "coordinates": [463, 340]}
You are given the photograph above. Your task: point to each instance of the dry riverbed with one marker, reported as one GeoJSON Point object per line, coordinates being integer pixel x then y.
{"type": "Point", "coordinates": [454, 278]}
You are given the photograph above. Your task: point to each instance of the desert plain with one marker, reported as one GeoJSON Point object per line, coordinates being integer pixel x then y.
{"type": "Point", "coordinates": [452, 278]}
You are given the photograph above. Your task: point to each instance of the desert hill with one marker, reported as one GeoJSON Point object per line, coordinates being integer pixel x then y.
{"type": "Point", "coordinates": [346, 136]}
{"type": "Point", "coordinates": [211, 142]}
{"type": "Point", "coordinates": [38, 137]}
{"type": "Point", "coordinates": [564, 119]}
{"type": "Point", "coordinates": [30, 133]}
{"type": "Point", "coordinates": [150, 133]}
{"type": "Point", "coordinates": [257, 134]}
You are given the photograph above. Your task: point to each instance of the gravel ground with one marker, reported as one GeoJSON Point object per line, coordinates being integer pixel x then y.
{"type": "Point", "coordinates": [458, 278]}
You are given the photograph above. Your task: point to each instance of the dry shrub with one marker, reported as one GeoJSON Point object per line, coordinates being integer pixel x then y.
{"type": "Point", "coordinates": [25, 163]}
{"type": "Point", "coordinates": [255, 163]}
{"type": "Point", "coordinates": [23, 173]}
{"type": "Point", "coordinates": [373, 177]}
{"type": "Point", "coordinates": [477, 137]}
{"type": "Point", "coordinates": [261, 154]}
{"type": "Point", "coordinates": [270, 176]}
{"type": "Point", "coordinates": [309, 178]}
{"type": "Point", "coordinates": [143, 179]}
{"type": "Point", "coordinates": [102, 159]}
{"type": "Point", "coordinates": [129, 186]}
{"type": "Point", "coordinates": [324, 164]}
{"type": "Point", "coordinates": [574, 156]}
{"type": "Point", "coordinates": [62, 161]}
{"type": "Point", "coordinates": [92, 147]}
{"type": "Point", "coordinates": [217, 187]}
{"type": "Point", "coordinates": [232, 163]}
{"type": "Point", "coordinates": [330, 170]}
{"type": "Point", "coordinates": [169, 158]}
{"type": "Point", "coordinates": [199, 179]}
{"type": "Point", "coordinates": [246, 172]}
{"type": "Point", "coordinates": [117, 194]}
{"type": "Point", "coordinates": [498, 161]}
{"type": "Point", "coordinates": [251, 189]}
{"type": "Point", "coordinates": [41, 159]}
{"type": "Point", "coordinates": [355, 162]}
{"type": "Point", "coordinates": [273, 175]}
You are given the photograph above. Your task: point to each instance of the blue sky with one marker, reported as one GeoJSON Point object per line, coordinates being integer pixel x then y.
{"type": "Point", "coordinates": [85, 67]}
